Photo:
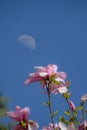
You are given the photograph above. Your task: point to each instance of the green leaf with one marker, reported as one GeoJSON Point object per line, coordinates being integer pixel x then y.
{"type": "Point", "coordinates": [53, 76]}
{"type": "Point", "coordinates": [79, 108]}
{"type": "Point", "coordinates": [55, 113]}
{"type": "Point", "coordinates": [77, 122]}
{"type": "Point", "coordinates": [66, 122]}
{"type": "Point", "coordinates": [67, 95]}
{"type": "Point", "coordinates": [46, 103]}
{"type": "Point", "coordinates": [75, 114]}
{"type": "Point", "coordinates": [56, 82]}
{"type": "Point", "coordinates": [62, 119]}
{"type": "Point", "coordinates": [23, 124]}
{"type": "Point", "coordinates": [67, 113]}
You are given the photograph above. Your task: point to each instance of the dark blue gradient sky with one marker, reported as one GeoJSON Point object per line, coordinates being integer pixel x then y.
{"type": "Point", "coordinates": [60, 30]}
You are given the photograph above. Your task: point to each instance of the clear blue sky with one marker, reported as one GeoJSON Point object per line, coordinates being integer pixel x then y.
{"type": "Point", "coordinates": [60, 30]}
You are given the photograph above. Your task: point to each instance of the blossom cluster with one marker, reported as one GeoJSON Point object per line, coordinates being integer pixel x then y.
{"type": "Point", "coordinates": [55, 83]}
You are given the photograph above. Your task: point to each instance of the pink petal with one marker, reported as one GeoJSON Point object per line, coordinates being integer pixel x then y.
{"type": "Point", "coordinates": [72, 106]}
{"type": "Point", "coordinates": [84, 97]}
{"type": "Point", "coordinates": [71, 127]}
{"type": "Point", "coordinates": [51, 69]}
{"type": "Point", "coordinates": [32, 79]}
{"type": "Point", "coordinates": [61, 75]}
{"type": "Point", "coordinates": [19, 114]}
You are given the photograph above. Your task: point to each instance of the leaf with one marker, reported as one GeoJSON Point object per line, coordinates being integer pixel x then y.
{"type": "Point", "coordinates": [77, 122]}
{"type": "Point", "coordinates": [66, 122]}
{"type": "Point", "coordinates": [55, 113]}
{"type": "Point", "coordinates": [62, 119]}
{"type": "Point", "coordinates": [56, 82]}
{"type": "Point", "coordinates": [53, 76]}
{"type": "Point", "coordinates": [23, 123]}
{"type": "Point", "coordinates": [46, 103]}
{"type": "Point", "coordinates": [75, 114]}
{"type": "Point", "coordinates": [67, 113]}
{"type": "Point", "coordinates": [67, 95]}
{"type": "Point", "coordinates": [79, 108]}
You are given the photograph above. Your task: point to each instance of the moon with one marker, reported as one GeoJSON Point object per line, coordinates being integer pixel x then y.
{"type": "Point", "coordinates": [27, 41]}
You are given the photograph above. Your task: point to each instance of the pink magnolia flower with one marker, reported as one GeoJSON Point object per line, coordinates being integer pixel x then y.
{"type": "Point", "coordinates": [50, 127]}
{"type": "Point", "coordinates": [48, 75]}
{"type": "Point", "coordinates": [21, 116]}
{"type": "Point", "coordinates": [59, 126]}
{"type": "Point", "coordinates": [62, 126]}
{"type": "Point", "coordinates": [84, 97]}
{"type": "Point", "coordinates": [71, 127]}
{"type": "Point", "coordinates": [32, 125]}
{"type": "Point", "coordinates": [72, 106]}
{"type": "Point", "coordinates": [83, 126]}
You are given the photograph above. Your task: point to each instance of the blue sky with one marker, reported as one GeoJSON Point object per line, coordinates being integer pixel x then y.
{"type": "Point", "coordinates": [60, 32]}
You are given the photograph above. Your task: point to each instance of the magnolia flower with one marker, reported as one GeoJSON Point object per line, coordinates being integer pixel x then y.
{"type": "Point", "coordinates": [59, 126]}
{"type": "Point", "coordinates": [84, 97]}
{"type": "Point", "coordinates": [50, 127]}
{"type": "Point", "coordinates": [62, 126]}
{"type": "Point", "coordinates": [71, 105]}
{"type": "Point", "coordinates": [21, 116]}
{"type": "Point", "coordinates": [48, 76]}
{"type": "Point", "coordinates": [83, 126]}
{"type": "Point", "coordinates": [32, 125]}
{"type": "Point", "coordinates": [71, 127]}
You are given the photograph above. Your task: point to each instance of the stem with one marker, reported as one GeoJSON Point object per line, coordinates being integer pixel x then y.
{"type": "Point", "coordinates": [83, 113]}
{"type": "Point", "coordinates": [50, 104]}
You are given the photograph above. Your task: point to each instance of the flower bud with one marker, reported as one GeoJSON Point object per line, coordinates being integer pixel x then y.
{"type": "Point", "coordinates": [72, 106]}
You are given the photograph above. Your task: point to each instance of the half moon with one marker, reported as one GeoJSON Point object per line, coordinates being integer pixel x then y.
{"type": "Point", "coordinates": [28, 41]}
